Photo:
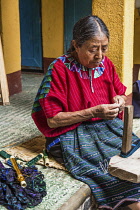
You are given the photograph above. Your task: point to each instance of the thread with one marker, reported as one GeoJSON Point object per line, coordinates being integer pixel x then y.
{"type": "Point", "coordinates": [20, 177]}
{"type": "Point", "coordinates": [4, 154]}
{"type": "Point", "coordinates": [7, 157]}
{"type": "Point", "coordinates": [1, 165]}
{"type": "Point", "coordinates": [34, 160]}
{"type": "Point", "coordinates": [9, 163]}
{"type": "Point", "coordinates": [45, 158]}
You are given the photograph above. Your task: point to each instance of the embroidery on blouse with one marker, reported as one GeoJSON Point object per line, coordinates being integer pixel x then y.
{"type": "Point", "coordinates": [74, 66]}
{"type": "Point", "coordinates": [85, 73]}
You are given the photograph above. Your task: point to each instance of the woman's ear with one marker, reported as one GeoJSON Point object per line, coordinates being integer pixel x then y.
{"type": "Point", "coordinates": [74, 45]}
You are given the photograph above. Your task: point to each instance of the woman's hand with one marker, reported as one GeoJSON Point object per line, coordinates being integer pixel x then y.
{"type": "Point", "coordinates": [121, 101]}
{"type": "Point", "coordinates": [106, 111]}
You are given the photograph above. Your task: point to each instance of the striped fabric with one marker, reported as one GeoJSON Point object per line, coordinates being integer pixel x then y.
{"type": "Point", "coordinates": [68, 86]}
{"type": "Point", "coordinates": [86, 153]}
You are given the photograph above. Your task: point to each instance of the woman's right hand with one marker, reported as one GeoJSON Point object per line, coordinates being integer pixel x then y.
{"type": "Point", "coordinates": [106, 111]}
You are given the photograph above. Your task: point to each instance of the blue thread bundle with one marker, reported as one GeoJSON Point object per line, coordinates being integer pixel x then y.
{"type": "Point", "coordinates": [13, 196]}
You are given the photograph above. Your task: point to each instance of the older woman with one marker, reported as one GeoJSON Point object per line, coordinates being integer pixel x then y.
{"type": "Point", "coordinates": [78, 108]}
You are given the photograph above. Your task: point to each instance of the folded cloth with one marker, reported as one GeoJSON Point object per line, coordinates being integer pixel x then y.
{"type": "Point", "coordinates": [13, 196]}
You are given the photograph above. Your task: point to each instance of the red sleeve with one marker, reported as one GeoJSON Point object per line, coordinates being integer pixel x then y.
{"type": "Point", "coordinates": [119, 88]}
{"type": "Point", "coordinates": [56, 100]}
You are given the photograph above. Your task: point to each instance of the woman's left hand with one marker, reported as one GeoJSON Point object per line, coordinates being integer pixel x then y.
{"type": "Point", "coordinates": [121, 101]}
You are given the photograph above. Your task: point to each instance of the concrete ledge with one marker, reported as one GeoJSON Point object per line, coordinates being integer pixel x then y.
{"type": "Point", "coordinates": [78, 199]}
{"type": "Point", "coordinates": [138, 133]}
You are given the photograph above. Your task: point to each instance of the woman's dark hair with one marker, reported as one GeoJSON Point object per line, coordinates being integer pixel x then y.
{"type": "Point", "coordinates": [86, 28]}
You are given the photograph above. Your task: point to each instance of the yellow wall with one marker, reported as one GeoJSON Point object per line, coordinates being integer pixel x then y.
{"type": "Point", "coordinates": [118, 16]}
{"type": "Point", "coordinates": [128, 43]}
{"type": "Point", "coordinates": [11, 35]}
{"type": "Point", "coordinates": [137, 38]}
{"type": "Point", "coordinates": [52, 28]}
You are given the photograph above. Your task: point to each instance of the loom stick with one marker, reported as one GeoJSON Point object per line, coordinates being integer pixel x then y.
{"type": "Point", "coordinates": [127, 132]}
{"type": "Point", "coordinates": [20, 177]}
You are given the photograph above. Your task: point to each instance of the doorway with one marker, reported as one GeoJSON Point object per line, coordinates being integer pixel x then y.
{"type": "Point", "coordinates": [30, 34]}
{"type": "Point", "coordinates": [73, 11]}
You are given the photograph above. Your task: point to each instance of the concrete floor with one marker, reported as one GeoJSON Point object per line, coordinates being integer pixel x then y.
{"type": "Point", "coordinates": [16, 124]}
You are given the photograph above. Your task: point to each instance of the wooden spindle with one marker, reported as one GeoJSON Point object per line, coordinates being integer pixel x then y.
{"type": "Point", "coordinates": [128, 125]}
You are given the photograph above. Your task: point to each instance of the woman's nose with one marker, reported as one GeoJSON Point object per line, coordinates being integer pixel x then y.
{"type": "Point", "coordinates": [99, 53]}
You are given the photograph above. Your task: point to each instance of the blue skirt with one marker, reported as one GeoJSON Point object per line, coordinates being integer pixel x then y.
{"type": "Point", "coordinates": [86, 153]}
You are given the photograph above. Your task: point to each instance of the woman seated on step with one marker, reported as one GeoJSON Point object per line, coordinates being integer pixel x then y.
{"type": "Point", "coordinates": [78, 108]}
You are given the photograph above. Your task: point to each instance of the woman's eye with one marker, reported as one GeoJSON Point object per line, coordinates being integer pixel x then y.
{"type": "Point", "coordinates": [92, 51]}
{"type": "Point", "coordinates": [104, 49]}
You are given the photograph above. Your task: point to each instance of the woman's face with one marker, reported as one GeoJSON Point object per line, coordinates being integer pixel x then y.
{"type": "Point", "coordinates": [91, 53]}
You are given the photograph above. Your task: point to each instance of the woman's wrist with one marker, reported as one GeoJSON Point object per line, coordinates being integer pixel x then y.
{"type": "Point", "coordinates": [124, 97]}
{"type": "Point", "coordinates": [93, 112]}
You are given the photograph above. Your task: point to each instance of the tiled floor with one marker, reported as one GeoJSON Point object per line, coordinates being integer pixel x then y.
{"type": "Point", "coordinates": [16, 124]}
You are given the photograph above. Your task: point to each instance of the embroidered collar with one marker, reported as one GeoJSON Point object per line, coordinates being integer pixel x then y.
{"type": "Point", "coordinates": [74, 66]}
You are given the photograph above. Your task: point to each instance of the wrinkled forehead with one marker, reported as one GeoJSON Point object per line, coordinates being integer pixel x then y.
{"type": "Point", "coordinates": [100, 39]}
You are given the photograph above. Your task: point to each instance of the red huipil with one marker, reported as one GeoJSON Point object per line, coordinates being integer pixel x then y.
{"type": "Point", "coordinates": [68, 86]}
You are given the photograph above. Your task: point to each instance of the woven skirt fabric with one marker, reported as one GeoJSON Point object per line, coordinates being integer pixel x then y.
{"type": "Point", "coordinates": [86, 153]}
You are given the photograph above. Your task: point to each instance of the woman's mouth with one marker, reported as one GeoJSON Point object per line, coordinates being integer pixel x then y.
{"type": "Point", "coordinates": [98, 62]}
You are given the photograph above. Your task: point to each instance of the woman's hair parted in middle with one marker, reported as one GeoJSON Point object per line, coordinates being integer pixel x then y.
{"type": "Point", "coordinates": [87, 28]}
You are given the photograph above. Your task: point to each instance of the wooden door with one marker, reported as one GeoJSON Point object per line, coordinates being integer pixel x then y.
{"type": "Point", "coordinates": [30, 30]}
{"type": "Point", "coordinates": [73, 11]}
